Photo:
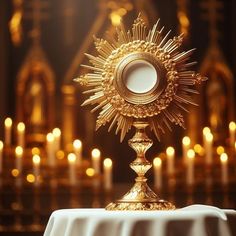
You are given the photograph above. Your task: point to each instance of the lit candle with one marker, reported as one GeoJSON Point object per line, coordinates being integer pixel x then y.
{"type": "Point", "coordinates": [96, 159]}
{"type": "Point", "coordinates": [21, 134]}
{"type": "Point", "coordinates": [157, 164]}
{"type": "Point", "coordinates": [208, 148]}
{"type": "Point", "coordinates": [107, 167]}
{"type": "Point", "coordinates": [57, 139]}
{"type": "Point", "coordinates": [1, 152]}
{"type": "Point", "coordinates": [71, 161]}
{"type": "Point", "coordinates": [50, 150]}
{"type": "Point", "coordinates": [77, 145]}
{"type": "Point", "coordinates": [190, 167]}
{"type": "Point", "coordinates": [232, 130]}
{"type": "Point", "coordinates": [19, 153]}
{"type": "Point", "coordinates": [185, 147]}
{"type": "Point", "coordinates": [170, 154]}
{"type": "Point", "coordinates": [224, 168]}
{"type": "Point", "coordinates": [8, 128]}
{"type": "Point", "coordinates": [36, 166]}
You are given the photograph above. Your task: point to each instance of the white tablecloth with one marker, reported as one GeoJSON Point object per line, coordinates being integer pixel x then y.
{"type": "Point", "coordinates": [195, 220]}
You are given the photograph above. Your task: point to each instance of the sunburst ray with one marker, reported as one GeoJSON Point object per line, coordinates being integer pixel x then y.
{"type": "Point", "coordinates": [164, 105]}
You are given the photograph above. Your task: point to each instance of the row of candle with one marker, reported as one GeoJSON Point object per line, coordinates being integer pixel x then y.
{"type": "Point", "coordinates": [36, 160]}
{"type": "Point", "coordinates": [190, 162]}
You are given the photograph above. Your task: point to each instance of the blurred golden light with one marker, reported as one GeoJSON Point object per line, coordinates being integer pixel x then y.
{"type": "Point", "coordinates": [220, 150]}
{"type": "Point", "coordinates": [36, 159]}
{"type": "Point", "coordinates": [170, 151]}
{"type": "Point", "coordinates": [1, 145]}
{"type": "Point", "coordinates": [186, 141]}
{"type": "Point", "coordinates": [206, 130]}
{"type": "Point", "coordinates": [35, 151]}
{"type": "Point", "coordinates": [107, 162]}
{"type": "Point", "coordinates": [157, 161]}
{"type": "Point", "coordinates": [60, 155]}
{"type": "Point", "coordinates": [50, 137]}
{"type": "Point", "coordinates": [191, 154]}
{"type": "Point", "coordinates": [8, 122]}
{"type": "Point", "coordinates": [30, 178]}
{"type": "Point", "coordinates": [71, 157]}
{"type": "Point", "coordinates": [209, 137]}
{"type": "Point", "coordinates": [90, 172]}
{"type": "Point", "coordinates": [15, 172]}
{"type": "Point", "coordinates": [77, 144]}
{"type": "Point", "coordinates": [115, 18]}
{"type": "Point", "coordinates": [232, 126]}
{"type": "Point", "coordinates": [21, 127]}
{"type": "Point", "coordinates": [19, 151]}
{"type": "Point", "coordinates": [56, 132]}
{"type": "Point", "coordinates": [96, 153]}
{"type": "Point", "coordinates": [224, 157]}
{"type": "Point", "coordinates": [198, 148]}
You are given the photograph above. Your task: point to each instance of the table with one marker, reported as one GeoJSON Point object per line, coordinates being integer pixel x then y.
{"type": "Point", "coordinates": [194, 220]}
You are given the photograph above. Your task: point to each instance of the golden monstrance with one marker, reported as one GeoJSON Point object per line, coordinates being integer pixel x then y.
{"type": "Point", "coordinates": [140, 79]}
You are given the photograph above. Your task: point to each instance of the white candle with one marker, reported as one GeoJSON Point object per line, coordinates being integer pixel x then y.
{"type": "Point", "coordinates": [72, 161]}
{"type": "Point", "coordinates": [190, 167]}
{"type": "Point", "coordinates": [21, 134]}
{"type": "Point", "coordinates": [57, 139]}
{"type": "Point", "coordinates": [224, 168]}
{"type": "Point", "coordinates": [107, 167]}
{"type": "Point", "coordinates": [1, 153]}
{"type": "Point", "coordinates": [8, 128]}
{"type": "Point", "coordinates": [208, 148]}
{"type": "Point", "coordinates": [170, 154]}
{"type": "Point", "coordinates": [19, 153]}
{"type": "Point", "coordinates": [36, 166]}
{"type": "Point", "coordinates": [50, 150]}
{"type": "Point", "coordinates": [157, 164]}
{"type": "Point", "coordinates": [232, 130]}
{"type": "Point", "coordinates": [185, 147]}
{"type": "Point", "coordinates": [77, 145]}
{"type": "Point", "coordinates": [96, 159]}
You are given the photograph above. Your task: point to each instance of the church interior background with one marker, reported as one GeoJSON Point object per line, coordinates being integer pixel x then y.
{"type": "Point", "coordinates": [42, 45]}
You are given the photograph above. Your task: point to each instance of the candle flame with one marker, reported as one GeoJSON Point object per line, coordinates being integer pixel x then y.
{"type": "Point", "coordinates": [56, 132]}
{"type": "Point", "coordinates": [191, 154]}
{"type": "Point", "coordinates": [186, 141]}
{"type": "Point", "coordinates": [19, 151]}
{"type": "Point", "coordinates": [206, 130]}
{"type": "Point", "coordinates": [224, 157]}
{"type": "Point", "coordinates": [77, 144]}
{"type": "Point", "coordinates": [36, 159]}
{"type": "Point", "coordinates": [107, 162]}
{"type": "Point", "coordinates": [232, 126]}
{"type": "Point", "coordinates": [1, 145]}
{"type": "Point", "coordinates": [157, 161]}
{"type": "Point", "coordinates": [209, 137]}
{"type": "Point", "coordinates": [71, 157]}
{"type": "Point", "coordinates": [21, 127]}
{"type": "Point", "coordinates": [170, 151]}
{"type": "Point", "coordinates": [8, 122]}
{"type": "Point", "coordinates": [96, 153]}
{"type": "Point", "coordinates": [50, 137]}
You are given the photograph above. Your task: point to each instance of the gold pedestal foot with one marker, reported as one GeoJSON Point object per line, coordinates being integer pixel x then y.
{"type": "Point", "coordinates": [140, 196]}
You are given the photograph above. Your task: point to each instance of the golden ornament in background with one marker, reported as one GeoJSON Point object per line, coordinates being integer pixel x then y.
{"type": "Point", "coordinates": [140, 79]}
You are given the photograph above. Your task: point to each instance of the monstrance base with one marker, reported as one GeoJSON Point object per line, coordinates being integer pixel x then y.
{"type": "Point", "coordinates": [140, 198]}
{"type": "Point", "coordinates": [140, 206]}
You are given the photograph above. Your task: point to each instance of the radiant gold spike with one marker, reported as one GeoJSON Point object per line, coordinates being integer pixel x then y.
{"type": "Point", "coordinates": [123, 103]}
